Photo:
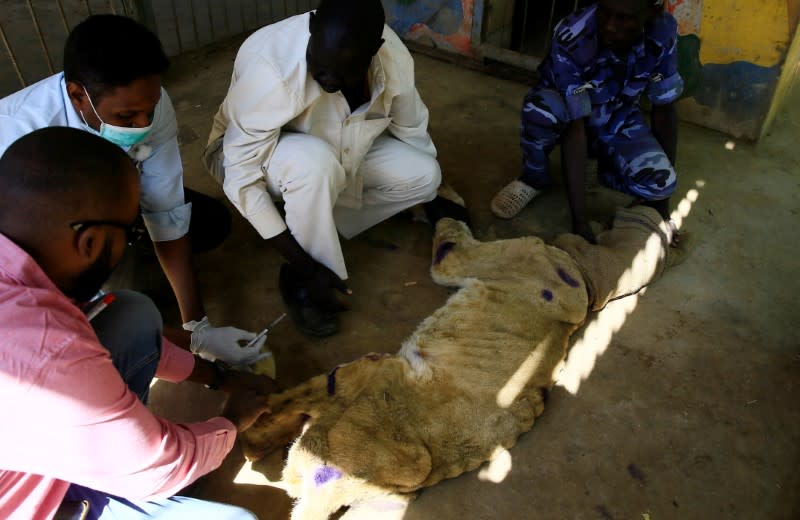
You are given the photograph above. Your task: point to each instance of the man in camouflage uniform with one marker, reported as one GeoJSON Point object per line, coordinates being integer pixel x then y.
{"type": "Point", "coordinates": [602, 59]}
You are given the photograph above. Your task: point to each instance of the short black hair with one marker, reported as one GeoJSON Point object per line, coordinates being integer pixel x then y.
{"type": "Point", "coordinates": [106, 51]}
{"type": "Point", "coordinates": [366, 17]}
{"type": "Point", "coordinates": [53, 172]}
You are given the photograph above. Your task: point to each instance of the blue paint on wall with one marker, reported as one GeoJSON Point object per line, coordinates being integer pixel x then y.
{"type": "Point", "coordinates": [442, 16]}
{"type": "Point", "coordinates": [740, 89]}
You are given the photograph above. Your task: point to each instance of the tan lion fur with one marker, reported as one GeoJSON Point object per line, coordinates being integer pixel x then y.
{"type": "Point", "coordinates": [471, 378]}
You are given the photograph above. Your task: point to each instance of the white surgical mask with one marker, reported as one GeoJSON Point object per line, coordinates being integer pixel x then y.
{"type": "Point", "coordinates": [119, 135]}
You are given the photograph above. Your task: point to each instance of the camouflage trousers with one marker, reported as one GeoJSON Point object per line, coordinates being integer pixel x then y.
{"type": "Point", "coordinates": [629, 157]}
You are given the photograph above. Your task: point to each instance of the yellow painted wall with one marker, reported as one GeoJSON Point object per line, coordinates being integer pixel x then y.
{"type": "Point", "coordinates": [745, 65]}
{"type": "Point", "coordinates": [756, 31]}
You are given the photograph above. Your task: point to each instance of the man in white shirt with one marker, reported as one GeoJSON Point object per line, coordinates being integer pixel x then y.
{"type": "Point", "coordinates": [111, 87]}
{"type": "Point", "coordinates": [323, 114]}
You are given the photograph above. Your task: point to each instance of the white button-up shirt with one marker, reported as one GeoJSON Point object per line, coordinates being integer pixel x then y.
{"type": "Point", "coordinates": [46, 103]}
{"type": "Point", "coordinates": [272, 91]}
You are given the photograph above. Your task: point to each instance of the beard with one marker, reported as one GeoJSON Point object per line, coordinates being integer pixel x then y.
{"type": "Point", "coordinates": [89, 282]}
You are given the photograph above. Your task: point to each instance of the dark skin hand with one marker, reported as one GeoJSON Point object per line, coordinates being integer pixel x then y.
{"type": "Point", "coordinates": [573, 157]}
{"type": "Point", "coordinates": [248, 397]}
{"type": "Point", "coordinates": [320, 281]}
{"type": "Point", "coordinates": [247, 393]}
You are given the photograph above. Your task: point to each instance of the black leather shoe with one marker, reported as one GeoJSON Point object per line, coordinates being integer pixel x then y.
{"type": "Point", "coordinates": [310, 319]}
{"type": "Point", "coordinates": [440, 208]}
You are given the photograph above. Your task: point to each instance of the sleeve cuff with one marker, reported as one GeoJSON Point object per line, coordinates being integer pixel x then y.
{"type": "Point", "coordinates": [579, 105]}
{"type": "Point", "coordinates": [268, 222]}
{"type": "Point", "coordinates": [215, 425]}
{"type": "Point", "coordinates": [176, 364]}
{"type": "Point", "coordinates": [219, 434]}
{"type": "Point", "coordinates": [666, 90]}
{"type": "Point", "coordinates": [168, 225]}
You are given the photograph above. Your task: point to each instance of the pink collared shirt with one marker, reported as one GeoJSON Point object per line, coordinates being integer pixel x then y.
{"type": "Point", "coordinates": [68, 417]}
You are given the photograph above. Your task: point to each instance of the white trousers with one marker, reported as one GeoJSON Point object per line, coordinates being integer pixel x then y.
{"type": "Point", "coordinates": [305, 172]}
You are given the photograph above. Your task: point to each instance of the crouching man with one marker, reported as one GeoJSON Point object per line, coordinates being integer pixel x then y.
{"type": "Point", "coordinates": [76, 429]}
{"type": "Point", "coordinates": [602, 60]}
{"type": "Point", "coordinates": [323, 114]}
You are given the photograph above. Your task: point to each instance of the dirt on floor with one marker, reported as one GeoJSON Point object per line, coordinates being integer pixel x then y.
{"type": "Point", "coordinates": [682, 402]}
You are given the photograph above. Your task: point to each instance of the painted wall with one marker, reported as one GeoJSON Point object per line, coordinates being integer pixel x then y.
{"type": "Point", "coordinates": [732, 53]}
{"type": "Point", "coordinates": [444, 24]}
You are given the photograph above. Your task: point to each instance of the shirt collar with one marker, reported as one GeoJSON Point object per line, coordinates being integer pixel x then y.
{"type": "Point", "coordinates": [19, 266]}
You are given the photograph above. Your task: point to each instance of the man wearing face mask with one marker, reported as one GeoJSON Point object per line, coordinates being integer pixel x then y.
{"type": "Point", "coordinates": [602, 59]}
{"type": "Point", "coordinates": [323, 114]}
{"type": "Point", "coordinates": [76, 433]}
{"type": "Point", "coordinates": [111, 87]}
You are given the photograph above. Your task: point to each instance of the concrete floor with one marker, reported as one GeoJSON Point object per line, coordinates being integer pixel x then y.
{"type": "Point", "coordinates": [679, 403]}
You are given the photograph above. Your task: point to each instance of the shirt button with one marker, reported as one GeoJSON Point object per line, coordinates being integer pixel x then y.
{"type": "Point", "coordinates": [347, 150]}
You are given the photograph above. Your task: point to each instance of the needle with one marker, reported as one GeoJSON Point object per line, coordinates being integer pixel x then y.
{"type": "Point", "coordinates": [264, 332]}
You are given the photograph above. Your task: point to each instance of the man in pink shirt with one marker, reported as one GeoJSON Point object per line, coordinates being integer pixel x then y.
{"type": "Point", "coordinates": [75, 429]}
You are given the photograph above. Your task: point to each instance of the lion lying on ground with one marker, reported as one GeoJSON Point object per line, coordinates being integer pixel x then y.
{"type": "Point", "coordinates": [471, 378]}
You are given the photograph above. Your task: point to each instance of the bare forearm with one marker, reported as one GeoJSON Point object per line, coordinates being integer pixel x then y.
{"type": "Point", "coordinates": [178, 336]}
{"type": "Point", "coordinates": [291, 250]}
{"type": "Point", "coordinates": [175, 257]}
{"type": "Point", "coordinates": [573, 159]}
{"type": "Point", "coordinates": [664, 123]}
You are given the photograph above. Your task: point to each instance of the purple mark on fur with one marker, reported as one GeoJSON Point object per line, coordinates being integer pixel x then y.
{"type": "Point", "coordinates": [547, 294]}
{"type": "Point", "coordinates": [332, 381]}
{"type": "Point", "coordinates": [325, 474]}
{"type": "Point", "coordinates": [572, 282]}
{"type": "Point", "coordinates": [376, 356]}
{"type": "Point", "coordinates": [442, 251]}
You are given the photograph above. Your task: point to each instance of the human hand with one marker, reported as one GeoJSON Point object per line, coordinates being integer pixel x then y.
{"type": "Point", "coordinates": [248, 397]}
{"type": "Point", "coordinates": [243, 408]}
{"type": "Point", "coordinates": [320, 282]}
{"type": "Point", "coordinates": [223, 343]}
{"type": "Point", "coordinates": [584, 230]}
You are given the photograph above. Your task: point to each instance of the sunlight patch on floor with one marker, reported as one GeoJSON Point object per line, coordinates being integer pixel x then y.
{"type": "Point", "coordinates": [248, 475]}
{"type": "Point", "coordinates": [600, 331]}
{"type": "Point", "coordinates": [498, 467]}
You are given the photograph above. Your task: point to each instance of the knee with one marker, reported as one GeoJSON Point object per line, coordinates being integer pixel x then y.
{"type": "Point", "coordinates": [309, 163]}
{"type": "Point", "coordinates": [139, 308]}
{"type": "Point", "coordinates": [325, 174]}
{"type": "Point", "coordinates": [428, 175]}
{"type": "Point", "coordinates": [131, 321]}
{"type": "Point", "coordinates": [543, 113]}
{"type": "Point", "coordinates": [652, 180]}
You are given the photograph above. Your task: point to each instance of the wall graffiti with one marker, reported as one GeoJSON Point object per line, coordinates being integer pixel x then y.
{"type": "Point", "coordinates": [688, 13]}
{"type": "Point", "coordinates": [444, 24]}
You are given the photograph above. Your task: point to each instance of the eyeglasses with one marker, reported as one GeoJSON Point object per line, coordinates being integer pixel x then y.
{"type": "Point", "coordinates": [133, 232]}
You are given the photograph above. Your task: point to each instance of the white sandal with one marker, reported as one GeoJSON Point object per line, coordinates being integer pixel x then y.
{"type": "Point", "coordinates": [512, 199]}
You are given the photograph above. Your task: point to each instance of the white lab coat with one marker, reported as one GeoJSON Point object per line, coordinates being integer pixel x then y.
{"type": "Point", "coordinates": [278, 135]}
